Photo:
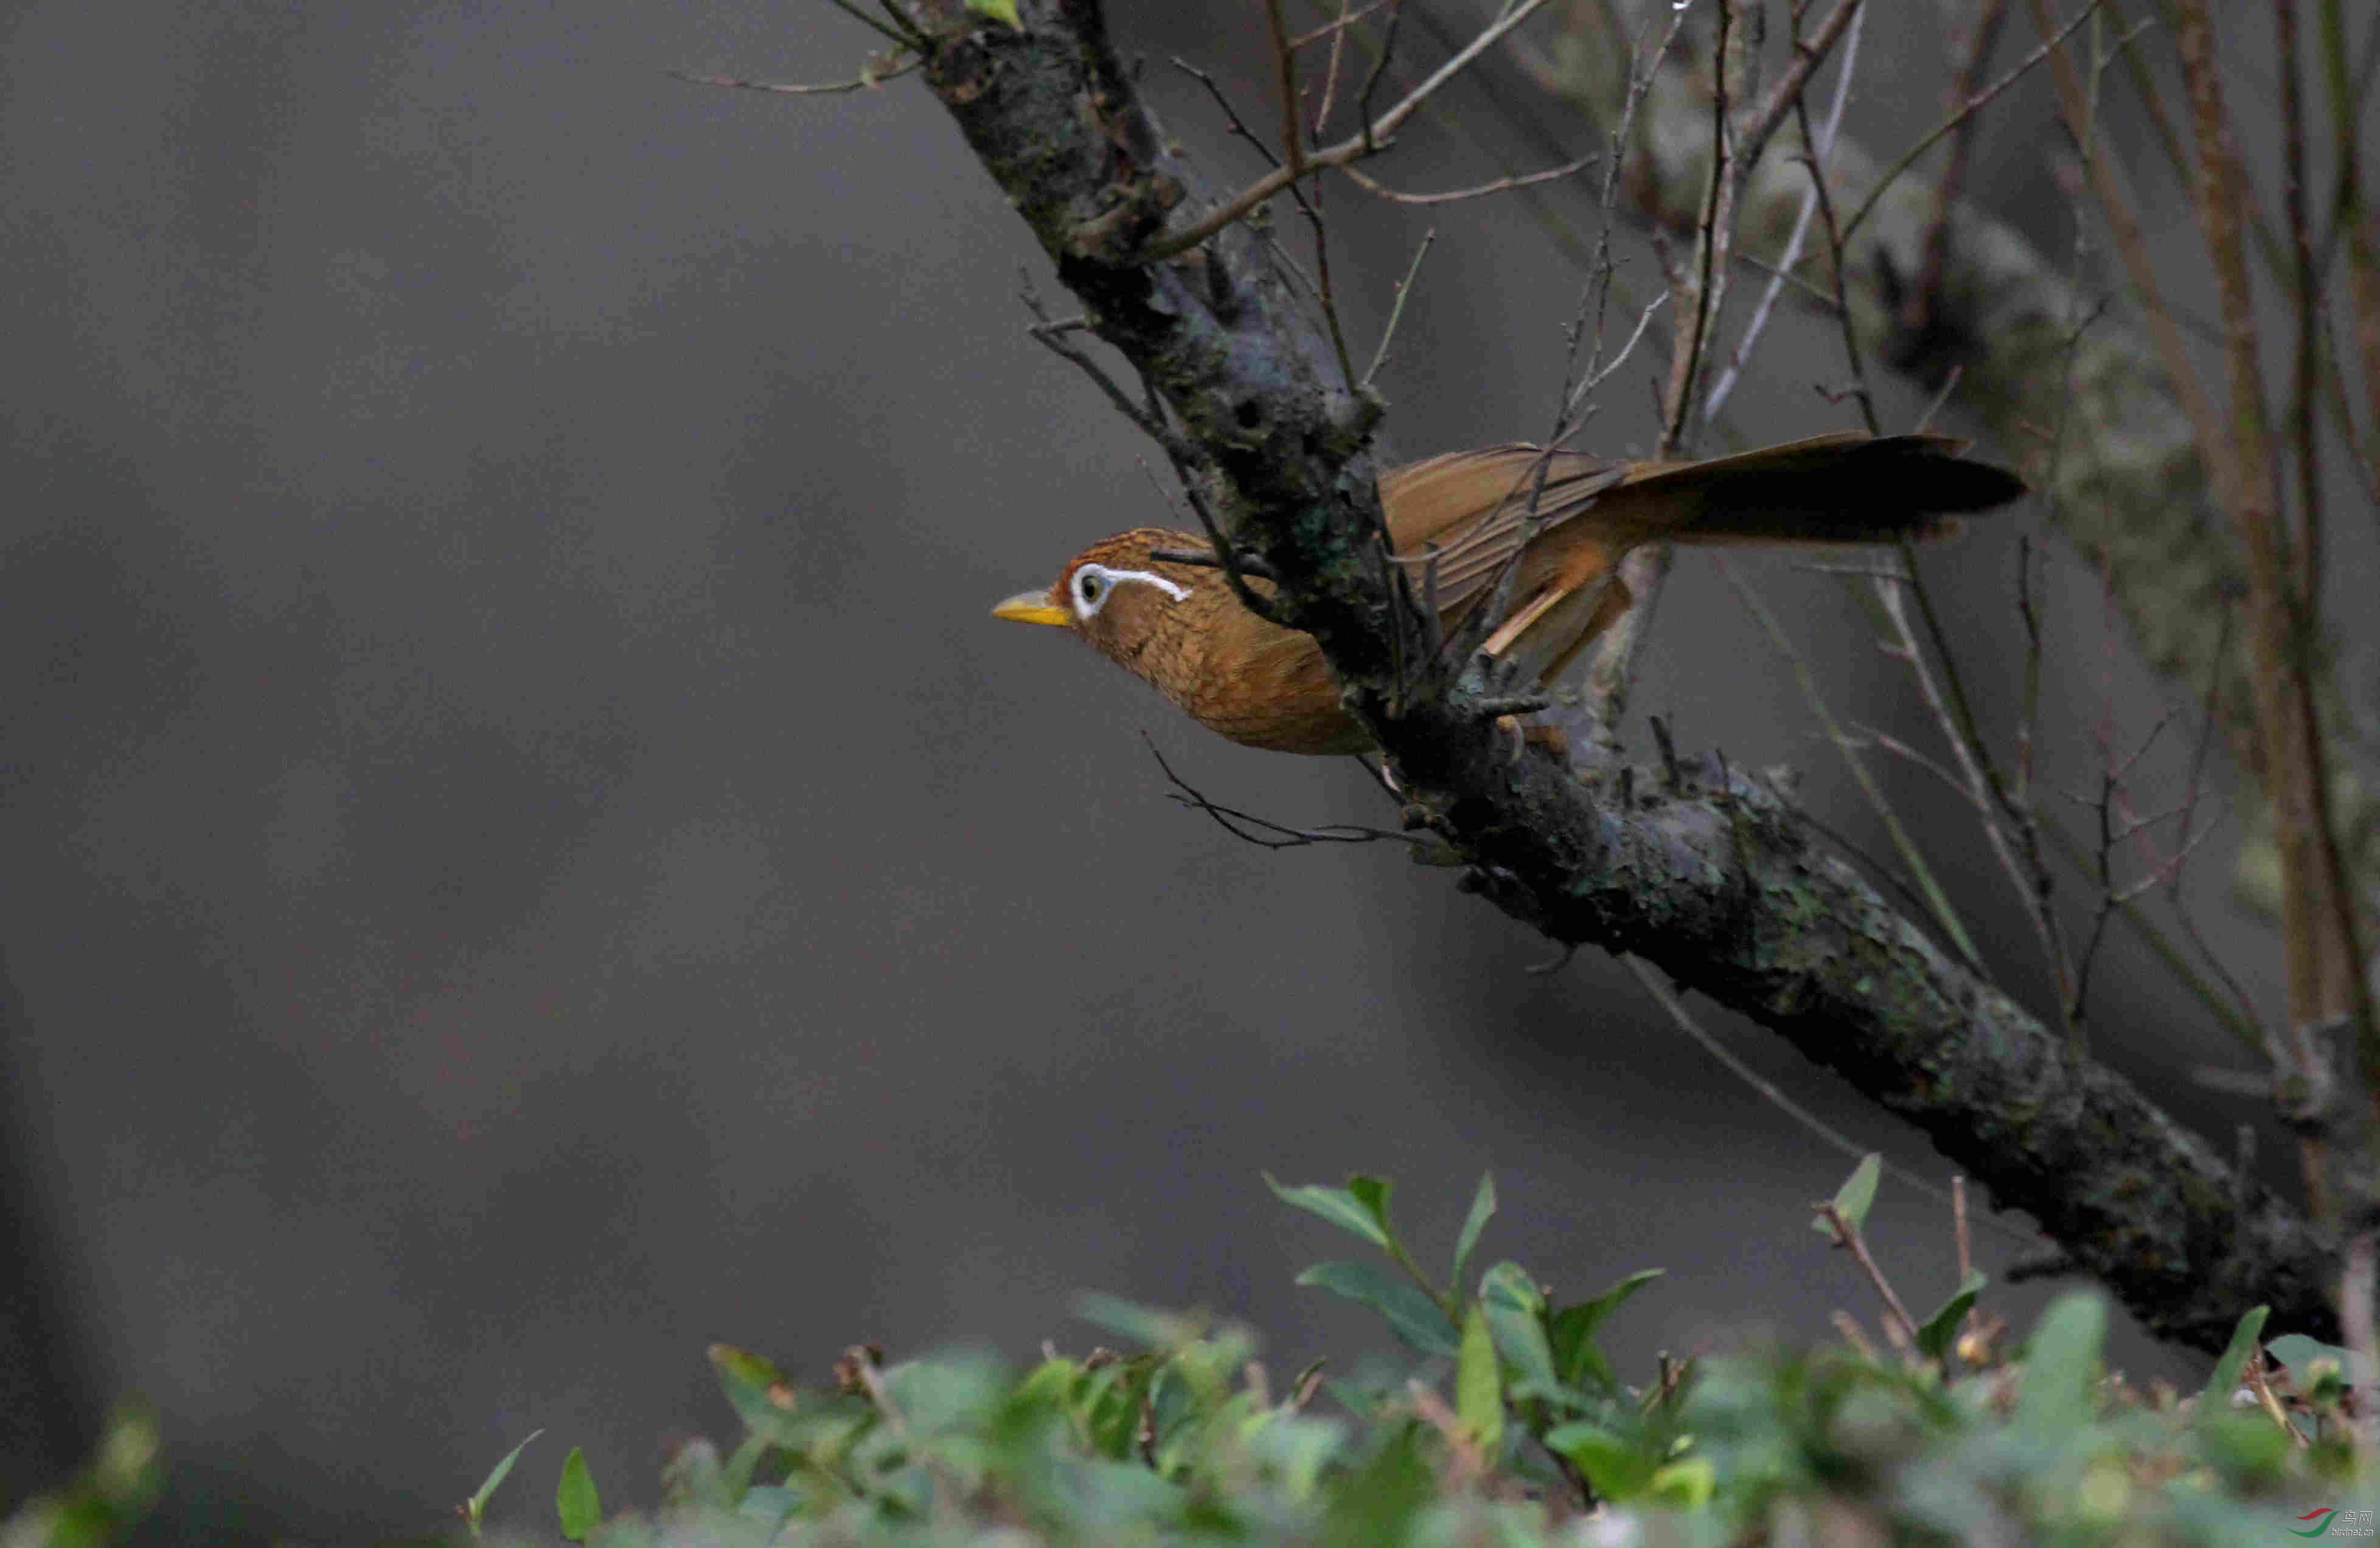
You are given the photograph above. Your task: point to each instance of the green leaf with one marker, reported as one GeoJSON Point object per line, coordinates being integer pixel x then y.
{"type": "Point", "coordinates": [1483, 1206]}
{"type": "Point", "coordinates": [1686, 1485]}
{"type": "Point", "coordinates": [2248, 1445]}
{"type": "Point", "coordinates": [2216, 1397]}
{"type": "Point", "coordinates": [1571, 1330]}
{"type": "Point", "coordinates": [1941, 1330]}
{"type": "Point", "coordinates": [1373, 1194]}
{"type": "Point", "coordinates": [1145, 1326]}
{"type": "Point", "coordinates": [2061, 1363]}
{"type": "Point", "coordinates": [1618, 1467]}
{"type": "Point", "coordinates": [735, 1473]}
{"type": "Point", "coordinates": [1852, 1199]}
{"type": "Point", "coordinates": [575, 1498]}
{"type": "Point", "coordinates": [1479, 1383]}
{"type": "Point", "coordinates": [999, 11]}
{"type": "Point", "coordinates": [2299, 1353]}
{"type": "Point", "coordinates": [1337, 1205]}
{"type": "Point", "coordinates": [1516, 1317]}
{"type": "Point", "coordinates": [478, 1504]}
{"type": "Point", "coordinates": [762, 1397]}
{"type": "Point", "coordinates": [1412, 1316]}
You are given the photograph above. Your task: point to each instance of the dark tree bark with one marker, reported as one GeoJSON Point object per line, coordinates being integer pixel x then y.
{"type": "Point", "coordinates": [1697, 871]}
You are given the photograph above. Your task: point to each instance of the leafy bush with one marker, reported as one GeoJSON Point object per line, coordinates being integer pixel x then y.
{"type": "Point", "coordinates": [1506, 1424]}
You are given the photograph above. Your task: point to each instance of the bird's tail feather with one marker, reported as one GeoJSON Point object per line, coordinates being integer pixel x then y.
{"type": "Point", "coordinates": [1843, 488]}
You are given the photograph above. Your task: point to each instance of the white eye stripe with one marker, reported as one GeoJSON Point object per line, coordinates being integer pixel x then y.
{"type": "Point", "coordinates": [1093, 582]}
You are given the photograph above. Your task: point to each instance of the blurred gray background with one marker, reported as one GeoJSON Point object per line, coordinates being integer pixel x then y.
{"type": "Point", "coordinates": [526, 852]}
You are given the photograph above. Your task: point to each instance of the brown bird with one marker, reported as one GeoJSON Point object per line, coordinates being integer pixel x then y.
{"type": "Point", "coordinates": [1180, 627]}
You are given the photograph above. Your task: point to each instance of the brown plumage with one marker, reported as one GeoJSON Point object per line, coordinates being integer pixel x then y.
{"type": "Point", "coordinates": [1180, 627]}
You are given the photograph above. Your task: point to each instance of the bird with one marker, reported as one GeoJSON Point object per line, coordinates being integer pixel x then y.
{"type": "Point", "coordinates": [1456, 521]}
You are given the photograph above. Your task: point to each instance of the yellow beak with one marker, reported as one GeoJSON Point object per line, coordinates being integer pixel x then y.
{"type": "Point", "coordinates": [1033, 607]}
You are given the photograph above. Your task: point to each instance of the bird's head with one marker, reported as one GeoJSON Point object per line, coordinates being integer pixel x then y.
{"type": "Point", "coordinates": [1120, 598]}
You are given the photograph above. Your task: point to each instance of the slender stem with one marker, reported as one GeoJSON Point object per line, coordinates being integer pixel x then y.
{"type": "Point", "coordinates": [1973, 104]}
{"type": "Point", "coordinates": [1373, 137]}
{"type": "Point", "coordinates": [2327, 985]}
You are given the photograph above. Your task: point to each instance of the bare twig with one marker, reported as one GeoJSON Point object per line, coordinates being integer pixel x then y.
{"type": "Point", "coordinates": [1852, 355]}
{"type": "Point", "coordinates": [868, 77]}
{"type": "Point", "coordinates": [2305, 296]}
{"type": "Point", "coordinates": [1189, 463]}
{"type": "Point", "coordinates": [1451, 196]}
{"type": "Point", "coordinates": [1958, 116]}
{"type": "Point", "coordinates": [1336, 28]}
{"type": "Point", "coordinates": [860, 1370]}
{"type": "Point", "coordinates": [1768, 1091]}
{"type": "Point", "coordinates": [1921, 316]}
{"type": "Point", "coordinates": [1900, 1326]}
{"type": "Point", "coordinates": [906, 37]}
{"type": "Point", "coordinates": [1266, 834]}
{"type": "Point", "coordinates": [1938, 901]}
{"type": "Point", "coordinates": [1856, 1335]}
{"type": "Point", "coordinates": [2019, 854]}
{"type": "Point", "coordinates": [2114, 198]}
{"type": "Point", "coordinates": [2258, 1376]}
{"type": "Point", "coordinates": [2359, 1280]}
{"type": "Point", "coordinates": [1373, 137]}
{"type": "Point", "coordinates": [2319, 923]}
{"type": "Point", "coordinates": [2250, 1026]}
{"type": "Point", "coordinates": [1764, 115]}
{"type": "Point", "coordinates": [2355, 215]}
{"type": "Point", "coordinates": [1338, 31]}
{"type": "Point", "coordinates": [1396, 310]}
{"type": "Point", "coordinates": [1307, 205]}
{"type": "Point", "coordinates": [1464, 1462]}
{"type": "Point", "coordinates": [1725, 385]}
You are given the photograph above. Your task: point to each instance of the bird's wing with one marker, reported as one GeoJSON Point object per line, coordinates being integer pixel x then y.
{"type": "Point", "coordinates": [1474, 511]}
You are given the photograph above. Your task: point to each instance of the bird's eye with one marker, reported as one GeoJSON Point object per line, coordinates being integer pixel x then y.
{"type": "Point", "coordinates": [1089, 586]}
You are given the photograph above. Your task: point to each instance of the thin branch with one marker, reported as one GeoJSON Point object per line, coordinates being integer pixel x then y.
{"type": "Point", "coordinates": [1900, 1327]}
{"type": "Point", "coordinates": [2305, 295]}
{"type": "Point", "coordinates": [2355, 215]}
{"type": "Point", "coordinates": [1972, 107]}
{"type": "Point", "coordinates": [2113, 196]}
{"type": "Point", "coordinates": [906, 39]}
{"type": "Point", "coordinates": [1921, 316]}
{"type": "Point", "coordinates": [1333, 29]}
{"type": "Point", "coordinates": [1768, 1091]}
{"type": "Point", "coordinates": [2359, 1279]}
{"type": "Point", "coordinates": [1397, 310]}
{"type": "Point", "coordinates": [1189, 461]}
{"type": "Point", "coordinates": [1338, 31]}
{"type": "Point", "coordinates": [1725, 385]}
{"type": "Point", "coordinates": [1263, 832]}
{"type": "Point", "coordinates": [1502, 184]}
{"type": "Point", "coordinates": [1306, 206]}
{"type": "Point", "coordinates": [2326, 984]}
{"type": "Point", "coordinates": [1752, 135]}
{"type": "Point", "coordinates": [1844, 320]}
{"type": "Point", "coordinates": [1597, 374]}
{"type": "Point", "coordinates": [866, 79]}
{"type": "Point", "coordinates": [1370, 141]}
{"type": "Point", "coordinates": [2020, 857]}
{"type": "Point", "coordinates": [1938, 901]}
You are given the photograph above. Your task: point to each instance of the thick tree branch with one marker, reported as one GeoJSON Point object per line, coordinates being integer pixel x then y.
{"type": "Point", "coordinates": [1711, 880]}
